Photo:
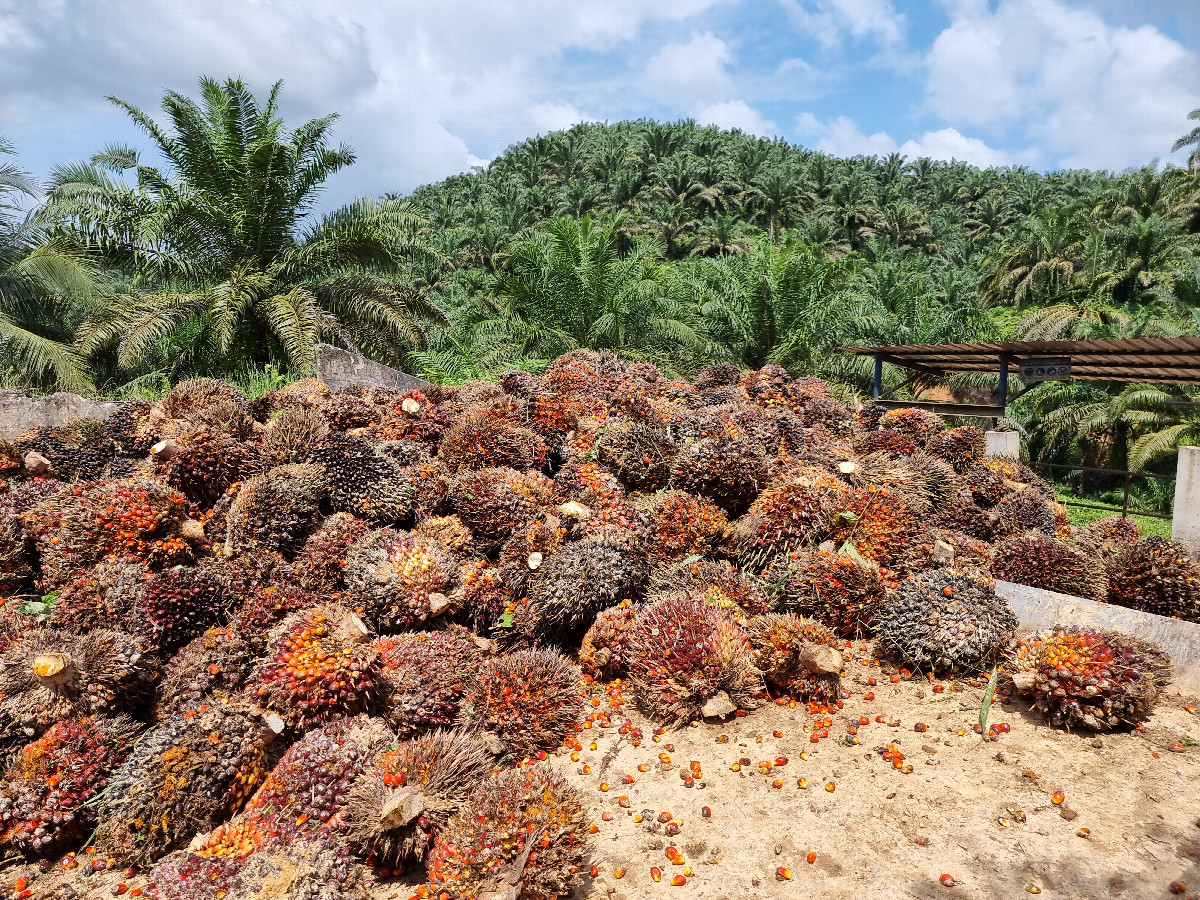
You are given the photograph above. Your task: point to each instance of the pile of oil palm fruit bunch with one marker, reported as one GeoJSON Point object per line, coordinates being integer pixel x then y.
{"type": "Point", "coordinates": [317, 639]}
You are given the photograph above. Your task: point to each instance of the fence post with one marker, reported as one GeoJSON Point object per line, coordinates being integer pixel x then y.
{"type": "Point", "coordinates": [1002, 443]}
{"type": "Point", "coordinates": [1185, 522]}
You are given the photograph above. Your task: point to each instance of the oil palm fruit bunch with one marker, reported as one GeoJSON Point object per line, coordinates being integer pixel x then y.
{"type": "Point", "coordinates": [919, 424]}
{"type": "Point", "coordinates": [131, 517]}
{"type": "Point", "coordinates": [553, 418]}
{"type": "Point", "coordinates": [961, 447]}
{"type": "Point", "coordinates": [276, 511]}
{"type": "Point", "coordinates": [45, 791]}
{"type": "Point", "coordinates": [183, 777]}
{"type": "Point", "coordinates": [449, 531]}
{"type": "Point", "coordinates": [399, 804]}
{"type": "Point", "coordinates": [720, 375]}
{"type": "Point", "coordinates": [530, 545]}
{"type": "Point", "coordinates": [79, 451]}
{"type": "Point", "coordinates": [320, 666]}
{"type": "Point", "coordinates": [728, 471]}
{"type": "Point", "coordinates": [48, 675]}
{"type": "Point", "coordinates": [528, 700]}
{"type": "Point", "coordinates": [961, 513]}
{"type": "Point", "coordinates": [1158, 576]}
{"type": "Point", "coordinates": [639, 454]}
{"type": "Point", "coordinates": [306, 791]}
{"type": "Point", "coordinates": [361, 481]}
{"type": "Point", "coordinates": [346, 411]}
{"type": "Point", "coordinates": [319, 566]}
{"type": "Point", "coordinates": [129, 428]}
{"type": "Point", "coordinates": [194, 394]}
{"type": "Point", "coordinates": [873, 521]}
{"type": "Point", "coordinates": [718, 583]}
{"type": "Point", "coordinates": [907, 481]}
{"type": "Point", "coordinates": [1098, 680]}
{"type": "Point", "coordinates": [484, 441]}
{"type": "Point", "coordinates": [289, 436]}
{"type": "Point", "coordinates": [688, 659]}
{"type": "Point", "coordinates": [1109, 535]}
{"type": "Point", "coordinates": [215, 664]}
{"type": "Point", "coordinates": [678, 525]}
{"type": "Point", "coordinates": [797, 657]}
{"type": "Point", "coordinates": [841, 591]}
{"type": "Point", "coordinates": [885, 440]}
{"type": "Point", "coordinates": [411, 416]}
{"type": "Point", "coordinates": [1042, 561]}
{"type": "Point", "coordinates": [1021, 511]}
{"type": "Point", "coordinates": [934, 548]}
{"type": "Point", "coordinates": [603, 654]}
{"type": "Point", "coordinates": [946, 620]}
{"type": "Point", "coordinates": [828, 413]}
{"type": "Point", "coordinates": [16, 574]}
{"type": "Point", "coordinates": [481, 596]}
{"type": "Point", "coordinates": [570, 587]}
{"type": "Point", "coordinates": [787, 517]}
{"type": "Point", "coordinates": [400, 580]}
{"type": "Point", "coordinates": [523, 836]}
{"type": "Point", "coordinates": [202, 464]}
{"type": "Point", "coordinates": [427, 673]}
{"type": "Point", "coordinates": [179, 604]}
{"type": "Point", "coordinates": [265, 607]}
{"type": "Point", "coordinates": [495, 502]}
{"type": "Point", "coordinates": [102, 596]}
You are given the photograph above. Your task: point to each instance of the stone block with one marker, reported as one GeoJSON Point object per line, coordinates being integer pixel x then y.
{"type": "Point", "coordinates": [341, 369]}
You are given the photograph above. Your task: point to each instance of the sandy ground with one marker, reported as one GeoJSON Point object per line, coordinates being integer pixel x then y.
{"type": "Point", "coordinates": [883, 834]}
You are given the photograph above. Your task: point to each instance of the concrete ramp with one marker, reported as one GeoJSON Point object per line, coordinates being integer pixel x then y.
{"type": "Point", "coordinates": [1039, 610]}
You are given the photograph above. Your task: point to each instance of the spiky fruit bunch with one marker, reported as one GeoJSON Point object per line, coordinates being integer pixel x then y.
{"type": "Point", "coordinates": [934, 548]}
{"type": "Point", "coordinates": [426, 673]}
{"type": "Point", "coordinates": [309, 867]}
{"type": "Point", "coordinates": [524, 836]}
{"type": "Point", "coordinates": [130, 430]}
{"type": "Point", "coordinates": [961, 513]}
{"type": "Point", "coordinates": [495, 502]}
{"type": "Point", "coordinates": [992, 478]}
{"type": "Point", "coordinates": [405, 453]}
{"type": "Point", "coordinates": [909, 479]}
{"type": "Point", "coordinates": [520, 383]}
{"type": "Point", "coordinates": [397, 806]}
{"type": "Point", "coordinates": [290, 436]}
{"type": "Point", "coordinates": [306, 791]}
{"type": "Point", "coordinates": [604, 652]}
{"type": "Point", "coordinates": [961, 447]}
{"type": "Point", "coordinates": [1158, 576]}
{"type": "Point", "coordinates": [873, 521]}
{"type": "Point", "coordinates": [79, 451]}
{"type": "Point", "coordinates": [640, 455]}
{"type": "Point", "coordinates": [1110, 534]}
{"type": "Point", "coordinates": [584, 577]}
{"type": "Point", "coordinates": [1095, 679]}
{"type": "Point", "coordinates": [51, 674]}
{"type": "Point", "coordinates": [797, 657]}
{"type": "Point", "coordinates": [413, 417]}
{"type": "Point", "coordinates": [553, 418]}
{"type": "Point", "coordinates": [482, 441]}
{"type": "Point", "coordinates": [481, 595]}
{"type": "Point", "coordinates": [321, 666]}
{"type": "Point", "coordinates": [200, 393]}
{"type": "Point", "coordinates": [1039, 560]}
{"type": "Point", "coordinates": [246, 574]}
{"type": "Point", "coordinates": [133, 517]}
{"type": "Point", "coordinates": [449, 531]}
{"type": "Point", "coordinates": [15, 571]}
{"type": "Point", "coordinates": [723, 375]}
{"type": "Point", "coordinates": [345, 412]}
{"type": "Point", "coordinates": [530, 700]}
{"type": "Point", "coordinates": [319, 567]}
{"type": "Point", "coordinates": [307, 392]}
{"type": "Point", "coordinates": [216, 664]}
{"type": "Point", "coordinates": [182, 778]}
{"type": "Point", "coordinates": [362, 481]}
{"type": "Point", "coordinates": [717, 582]}
{"type": "Point", "coordinates": [678, 525]}
{"type": "Point", "coordinates": [204, 464]}
{"type": "Point", "coordinates": [276, 511]}
{"type": "Point", "coordinates": [102, 596]}
{"type": "Point", "coordinates": [688, 659]}
{"type": "Point", "coordinates": [399, 579]}
{"type": "Point", "coordinates": [431, 489]}
{"type": "Point", "coordinates": [45, 793]}
{"type": "Point", "coordinates": [840, 590]}
{"type": "Point", "coordinates": [946, 621]}
{"type": "Point", "coordinates": [1021, 511]}
{"type": "Point", "coordinates": [885, 440]}
{"type": "Point", "coordinates": [919, 424]}
{"type": "Point", "coordinates": [179, 604]}
{"type": "Point", "coordinates": [787, 517]}
{"type": "Point", "coordinates": [729, 471]}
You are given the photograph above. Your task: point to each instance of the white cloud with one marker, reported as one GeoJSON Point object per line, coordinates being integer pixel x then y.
{"type": "Point", "coordinates": [1088, 93]}
{"type": "Point", "coordinates": [692, 70]}
{"type": "Point", "coordinates": [737, 114]}
{"type": "Point", "coordinates": [842, 137]}
{"type": "Point", "coordinates": [828, 21]}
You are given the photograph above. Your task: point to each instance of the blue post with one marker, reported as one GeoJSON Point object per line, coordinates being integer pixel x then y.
{"type": "Point", "coordinates": [877, 388]}
{"type": "Point", "coordinates": [1003, 382]}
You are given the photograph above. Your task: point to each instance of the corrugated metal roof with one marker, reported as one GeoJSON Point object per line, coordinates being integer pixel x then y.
{"type": "Point", "coordinates": [1159, 360]}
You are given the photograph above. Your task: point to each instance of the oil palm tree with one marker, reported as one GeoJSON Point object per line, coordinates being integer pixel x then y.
{"type": "Point", "coordinates": [227, 263]}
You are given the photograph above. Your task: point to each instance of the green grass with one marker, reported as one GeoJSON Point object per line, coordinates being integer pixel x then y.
{"type": "Point", "coordinates": [1081, 516]}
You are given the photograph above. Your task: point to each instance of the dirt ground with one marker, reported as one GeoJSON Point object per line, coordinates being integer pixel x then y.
{"type": "Point", "coordinates": [884, 834]}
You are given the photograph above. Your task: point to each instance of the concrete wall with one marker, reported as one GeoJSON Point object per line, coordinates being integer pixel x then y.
{"type": "Point", "coordinates": [340, 369]}
{"type": "Point", "coordinates": [1002, 443]}
{"type": "Point", "coordinates": [1185, 524]}
{"type": "Point", "coordinates": [19, 411]}
{"type": "Point", "coordinates": [1038, 609]}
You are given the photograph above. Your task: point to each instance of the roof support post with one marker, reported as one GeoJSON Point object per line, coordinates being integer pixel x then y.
{"type": "Point", "coordinates": [877, 386]}
{"type": "Point", "coordinates": [1002, 401]}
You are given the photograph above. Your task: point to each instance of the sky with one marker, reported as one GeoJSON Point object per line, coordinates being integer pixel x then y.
{"type": "Point", "coordinates": [429, 88]}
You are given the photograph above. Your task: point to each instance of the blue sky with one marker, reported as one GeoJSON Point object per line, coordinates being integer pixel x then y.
{"type": "Point", "coordinates": [426, 89]}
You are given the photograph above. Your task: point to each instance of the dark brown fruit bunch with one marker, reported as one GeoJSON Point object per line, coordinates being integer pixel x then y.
{"type": "Point", "coordinates": [276, 511]}
{"type": "Point", "coordinates": [798, 657]}
{"type": "Point", "coordinates": [320, 566]}
{"type": "Point", "coordinates": [688, 659]}
{"type": "Point", "coordinates": [426, 674]}
{"type": "Point", "coordinates": [885, 440]}
{"type": "Point", "coordinates": [530, 700]}
{"type": "Point", "coordinates": [639, 455]}
{"type": "Point", "coordinates": [717, 582]}
{"type": "Point", "coordinates": [729, 471]}
{"type": "Point", "coordinates": [495, 502]}
{"type": "Point", "coordinates": [399, 580]}
{"type": "Point", "coordinates": [1158, 576]}
{"type": "Point", "coordinates": [523, 837]}
{"type": "Point", "coordinates": [397, 806]}
{"type": "Point", "coordinates": [935, 548]}
{"type": "Point", "coordinates": [361, 481]}
{"type": "Point", "coordinates": [292, 434]}
{"type": "Point", "coordinates": [203, 464]}
{"type": "Point", "coordinates": [483, 441]}
{"type": "Point", "coordinates": [216, 664]}
{"type": "Point", "coordinates": [570, 587]}
{"type": "Point", "coordinates": [1043, 562]}
{"type": "Point", "coordinates": [1108, 536]}
{"type": "Point", "coordinates": [604, 652]}
{"type": "Point", "coordinates": [961, 447]}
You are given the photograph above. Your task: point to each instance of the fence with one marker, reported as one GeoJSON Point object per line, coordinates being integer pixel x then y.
{"type": "Point", "coordinates": [1123, 509]}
